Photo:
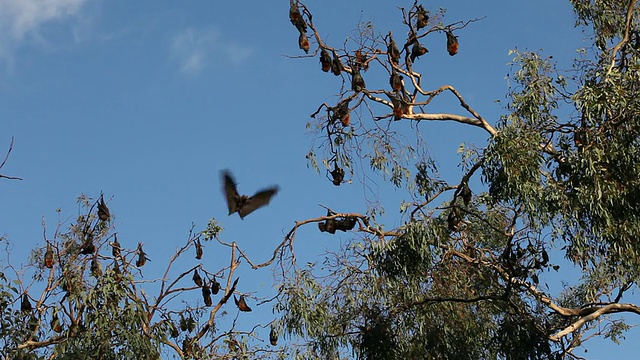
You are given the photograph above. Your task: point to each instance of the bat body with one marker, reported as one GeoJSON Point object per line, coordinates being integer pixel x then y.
{"type": "Point", "coordinates": [103, 210]}
{"type": "Point", "coordinates": [396, 82]}
{"type": "Point", "coordinates": [273, 336]}
{"type": "Point", "coordinates": [341, 112]}
{"type": "Point", "coordinates": [325, 60]}
{"type": "Point", "coordinates": [215, 286]}
{"type": "Point", "coordinates": [423, 18]}
{"type": "Point", "coordinates": [206, 295]}
{"type": "Point", "coordinates": [243, 204]}
{"type": "Point", "coordinates": [115, 247]}
{"type": "Point", "coordinates": [336, 65]}
{"type": "Point", "coordinates": [198, 250]}
{"type": "Point", "coordinates": [465, 193]}
{"type": "Point", "coordinates": [295, 16]}
{"type": "Point", "coordinates": [48, 257]}
{"type": "Point", "coordinates": [417, 50]}
{"type": "Point", "coordinates": [303, 42]}
{"type": "Point", "coordinates": [96, 270]}
{"type": "Point", "coordinates": [392, 50]}
{"type": "Point", "coordinates": [196, 278]}
{"type": "Point", "coordinates": [454, 220]}
{"type": "Point", "coordinates": [142, 256]}
{"type": "Point", "coordinates": [337, 174]}
{"type": "Point", "coordinates": [25, 305]}
{"type": "Point", "coordinates": [357, 82]}
{"type": "Point", "coordinates": [452, 43]}
{"type": "Point", "coordinates": [242, 303]}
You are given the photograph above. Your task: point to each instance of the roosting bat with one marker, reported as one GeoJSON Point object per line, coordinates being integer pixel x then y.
{"type": "Point", "coordinates": [243, 204]}
{"type": "Point", "coordinates": [452, 43]}
{"type": "Point", "coordinates": [48, 257]}
{"type": "Point", "coordinates": [103, 210]}
{"type": "Point", "coordinates": [242, 303]}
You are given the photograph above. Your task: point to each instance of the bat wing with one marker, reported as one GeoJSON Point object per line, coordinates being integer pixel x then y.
{"type": "Point", "coordinates": [260, 199]}
{"type": "Point", "coordinates": [230, 191]}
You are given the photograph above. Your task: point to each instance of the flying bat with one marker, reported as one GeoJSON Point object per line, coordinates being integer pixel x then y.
{"type": "Point", "coordinates": [243, 204]}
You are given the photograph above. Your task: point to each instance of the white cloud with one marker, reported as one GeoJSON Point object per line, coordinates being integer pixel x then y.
{"type": "Point", "coordinates": [194, 49]}
{"type": "Point", "coordinates": [22, 18]}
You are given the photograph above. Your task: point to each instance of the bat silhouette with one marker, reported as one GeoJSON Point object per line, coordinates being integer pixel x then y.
{"type": "Point", "coordinates": [25, 305]}
{"type": "Point", "coordinates": [243, 204]}
{"type": "Point", "coordinates": [452, 43]}
{"type": "Point", "coordinates": [96, 271]}
{"type": "Point", "coordinates": [206, 295]}
{"type": "Point", "coordinates": [115, 247]}
{"type": "Point", "coordinates": [142, 256]}
{"type": "Point", "coordinates": [423, 17]}
{"type": "Point", "coordinates": [325, 60]}
{"type": "Point", "coordinates": [336, 65]}
{"type": "Point", "coordinates": [241, 304]}
{"type": "Point", "coordinates": [198, 250]}
{"type": "Point", "coordinates": [48, 257]}
{"type": "Point", "coordinates": [273, 336]}
{"type": "Point", "coordinates": [393, 51]}
{"type": "Point", "coordinates": [103, 210]}
{"type": "Point", "coordinates": [215, 286]}
{"type": "Point", "coordinates": [196, 278]}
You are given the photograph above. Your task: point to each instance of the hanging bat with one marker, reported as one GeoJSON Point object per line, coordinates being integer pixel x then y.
{"type": "Point", "coordinates": [303, 42]}
{"type": "Point", "coordinates": [454, 220]}
{"type": "Point", "coordinates": [96, 270]}
{"type": "Point", "coordinates": [336, 65]}
{"type": "Point", "coordinates": [341, 112]}
{"type": "Point", "coordinates": [400, 107]}
{"type": "Point", "coordinates": [25, 305]}
{"type": "Point", "coordinates": [55, 323]}
{"type": "Point", "coordinates": [142, 256]}
{"type": "Point", "coordinates": [295, 16]}
{"type": "Point", "coordinates": [88, 248]}
{"type": "Point", "coordinates": [103, 210]}
{"type": "Point", "coordinates": [196, 278]}
{"type": "Point", "coordinates": [115, 246]}
{"type": "Point", "coordinates": [273, 336]}
{"type": "Point", "coordinates": [48, 257]}
{"type": "Point", "coordinates": [417, 50]}
{"type": "Point", "coordinates": [328, 225]}
{"type": "Point", "coordinates": [337, 174]}
{"type": "Point", "coordinates": [215, 286]}
{"type": "Point", "coordinates": [423, 18]}
{"type": "Point", "coordinates": [206, 295]}
{"type": "Point", "coordinates": [357, 81]}
{"type": "Point", "coordinates": [241, 304]}
{"type": "Point", "coordinates": [465, 193]}
{"type": "Point", "coordinates": [392, 50]}
{"type": "Point", "coordinates": [452, 43]}
{"type": "Point", "coordinates": [117, 274]}
{"type": "Point", "coordinates": [325, 60]}
{"type": "Point", "coordinates": [396, 82]}
{"type": "Point", "coordinates": [198, 250]}
{"type": "Point", "coordinates": [243, 204]}
{"type": "Point", "coordinates": [346, 224]}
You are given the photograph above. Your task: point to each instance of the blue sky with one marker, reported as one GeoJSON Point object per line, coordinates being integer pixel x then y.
{"type": "Point", "coordinates": [147, 101]}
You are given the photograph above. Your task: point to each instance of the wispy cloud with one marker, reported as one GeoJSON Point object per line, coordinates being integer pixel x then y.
{"type": "Point", "coordinates": [20, 19]}
{"type": "Point", "coordinates": [195, 49]}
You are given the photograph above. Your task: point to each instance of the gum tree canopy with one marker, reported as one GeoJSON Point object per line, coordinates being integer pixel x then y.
{"type": "Point", "coordinates": [555, 189]}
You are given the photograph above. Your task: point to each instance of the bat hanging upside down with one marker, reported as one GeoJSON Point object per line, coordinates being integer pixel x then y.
{"type": "Point", "coordinates": [243, 204]}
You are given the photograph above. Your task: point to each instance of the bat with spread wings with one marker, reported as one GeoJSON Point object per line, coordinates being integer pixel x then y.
{"type": "Point", "coordinates": [243, 204]}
